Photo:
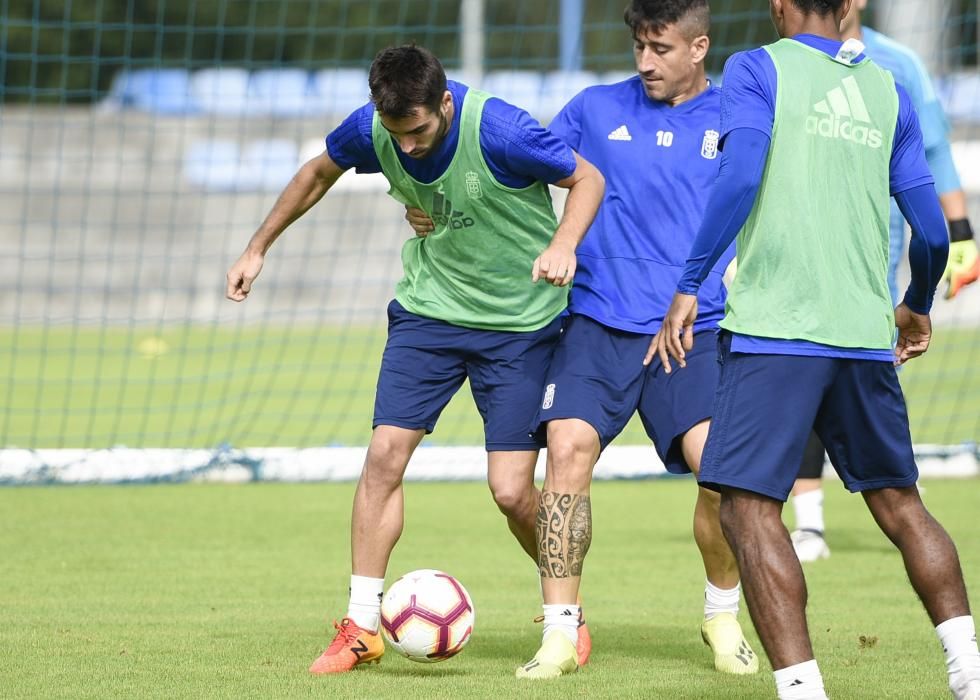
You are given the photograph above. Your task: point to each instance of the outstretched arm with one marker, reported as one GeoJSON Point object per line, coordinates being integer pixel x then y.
{"type": "Point", "coordinates": [742, 164]}
{"type": "Point", "coordinates": [307, 187]}
{"type": "Point", "coordinates": [586, 187]}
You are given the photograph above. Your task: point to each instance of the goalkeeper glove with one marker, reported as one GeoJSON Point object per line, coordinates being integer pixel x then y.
{"type": "Point", "coordinates": [963, 267]}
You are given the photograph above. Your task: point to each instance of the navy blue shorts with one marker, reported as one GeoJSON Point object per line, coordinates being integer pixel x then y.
{"type": "Point", "coordinates": [597, 375]}
{"type": "Point", "coordinates": [766, 406]}
{"type": "Point", "coordinates": [426, 361]}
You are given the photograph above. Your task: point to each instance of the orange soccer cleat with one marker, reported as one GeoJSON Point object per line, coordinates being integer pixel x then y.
{"type": "Point", "coordinates": [583, 646]}
{"type": "Point", "coordinates": [351, 647]}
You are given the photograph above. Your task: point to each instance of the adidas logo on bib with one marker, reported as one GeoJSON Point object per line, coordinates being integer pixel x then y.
{"type": "Point", "coordinates": [844, 115]}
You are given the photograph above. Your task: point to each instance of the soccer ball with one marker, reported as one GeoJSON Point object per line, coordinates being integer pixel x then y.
{"type": "Point", "coordinates": [427, 616]}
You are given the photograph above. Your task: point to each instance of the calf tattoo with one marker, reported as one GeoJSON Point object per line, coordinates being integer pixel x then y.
{"type": "Point", "coordinates": [564, 528]}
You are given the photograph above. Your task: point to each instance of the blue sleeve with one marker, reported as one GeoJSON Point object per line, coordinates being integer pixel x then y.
{"type": "Point", "coordinates": [519, 150]}
{"type": "Point", "coordinates": [929, 246]}
{"type": "Point", "coordinates": [742, 164]}
{"type": "Point", "coordinates": [933, 122]}
{"type": "Point", "coordinates": [935, 127]}
{"type": "Point", "coordinates": [909, 168]}
{"type": "Point", "coordinates": [916, 81]}
{"type": "Point", "coordinates": [942, 167]}
{"type": "Point", "coordinates": [350, 145]}
{"type": "Point", "coordinates": [748, 93]}
{"type": "Point", "coordinates": [567, 125]}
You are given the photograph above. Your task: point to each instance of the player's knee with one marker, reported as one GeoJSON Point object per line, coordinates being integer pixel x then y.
{"type": "Point", "coordinates": [572, 449]}
{"type": "Point", "coordinates": [513, 498]}
{"type": "Point", "coordinates": [386, 459]}
{"type": "Point", "coordinates": [897, 510]}
{"type": "Point", "coordinates": [569, 465]}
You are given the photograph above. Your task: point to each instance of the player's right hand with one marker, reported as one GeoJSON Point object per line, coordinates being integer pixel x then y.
{"type": "Point", "coordinates": [419, 221]}
{"type": "Point", "coordinates": [676, 335]}
{"type": "Point", "coordinates": [963, 267]}
{"type": "Point", "coordinates": [914, 334]}
{"type": "Point", "coordinates": [242, 274]}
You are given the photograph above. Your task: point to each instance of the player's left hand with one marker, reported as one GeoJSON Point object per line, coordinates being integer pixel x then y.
{"type": "Point", "coordinates": [556, 265]}
{"type": "Point", "coordinates": [676, 335]}
{"type": "Point", "coordinates": [963, 267]}
{"type": "Point", "coordinates": [419, 221]}
{"type": "Point", "coordinates": [914, 334]}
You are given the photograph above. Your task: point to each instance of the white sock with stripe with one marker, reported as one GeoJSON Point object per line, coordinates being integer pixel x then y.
{"type": "Point", "coordinates": [364, 607]}
{"type": "Point", "coordinates": [720, 600]}
{"type": "Point", "coordinates": [800, 682]}
{"type": "Point", "coordinates": [562, 618]}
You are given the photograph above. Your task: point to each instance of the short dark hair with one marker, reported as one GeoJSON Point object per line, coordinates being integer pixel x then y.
{"type": "Point", "coordinates": [404, 78]}
{"type": "Point", "coordinates": [820, 7]}
{"type": "Point", "coordinates": [694, 16]}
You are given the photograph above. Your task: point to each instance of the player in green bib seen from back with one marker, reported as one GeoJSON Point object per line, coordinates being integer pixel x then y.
{"type": "Point", "coordinates": [815, 138]}
{"type": "Point", "coordinates": [480, 298]}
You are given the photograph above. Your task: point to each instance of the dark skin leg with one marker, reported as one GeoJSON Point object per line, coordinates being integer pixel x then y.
{"type": "Point", "coordinates": [929, 554]}
{"type": "Point", "coordinates": [772, 579]}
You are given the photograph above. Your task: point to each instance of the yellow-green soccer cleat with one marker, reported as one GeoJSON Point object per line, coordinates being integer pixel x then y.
{"type": "Point", "coordinates": [556, 657]}
{"type": "Point", "coordinates": [732, 652]}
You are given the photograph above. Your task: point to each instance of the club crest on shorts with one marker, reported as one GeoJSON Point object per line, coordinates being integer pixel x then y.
{"type": "Point", "coordinates": [473, 188]}
{"type": "Point", "coordinates": [709, 146]}
{"type": "Point", "coordinates": [549, 397]}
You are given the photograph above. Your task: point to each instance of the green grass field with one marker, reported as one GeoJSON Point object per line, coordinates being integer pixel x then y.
{"type": "Point", "coordinates": [226, 591]}
{"type": "Point", "coordinates": [203, 387]}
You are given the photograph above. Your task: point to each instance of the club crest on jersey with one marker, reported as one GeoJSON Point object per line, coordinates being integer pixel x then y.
{"type": "Point", "coordinates": [473, 188]}
{"type": "Point", "coordinates": [549, 397]}
{"type": "Point", "coordinates": [709, 146]}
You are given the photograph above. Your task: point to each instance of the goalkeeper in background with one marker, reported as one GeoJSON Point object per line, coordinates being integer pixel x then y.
{"type": "Point", "coordinates": [481, 297]}
{"type": "Point", "coordinates": [963, 266]}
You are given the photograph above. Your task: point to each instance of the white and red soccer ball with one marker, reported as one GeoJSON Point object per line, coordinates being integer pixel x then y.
{"type": "Point", "coordinates": [427, 616]}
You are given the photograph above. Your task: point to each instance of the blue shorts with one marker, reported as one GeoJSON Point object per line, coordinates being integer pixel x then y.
{"type": "Point", "coordinates": [426, 361]}
{"type": "Point", "coordinates": [597, 375]}
{"type": "Point", "coordinates": [766, 406]}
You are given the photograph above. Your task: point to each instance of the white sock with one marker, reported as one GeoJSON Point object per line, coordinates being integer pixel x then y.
{"type": "Point", "coordinates": [365, 601]}
{"type": "Point", "coordinates": [809, 510]}
{"type": "Point", "coordinates": [800, 682]}
{"type": "Point", "coordinates": [562, 618]}
{"type": "Point", "coordinates": [958, 636]}
{"type": "Point", "coordinates": [720, 600]}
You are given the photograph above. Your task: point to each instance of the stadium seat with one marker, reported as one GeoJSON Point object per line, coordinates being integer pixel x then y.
{"type": "Point", "coordinates": [521, 88]}
{"type": "Point", "coordinates": [280, 91]}
{"type": "Point", "coordinates": [165, 90]}
{"type": "Point", "coordinates": [339, 91]}
{"type": "Point", "coordinates": [962, 97]}
{"type": "Point", "coordinates": [268, 164]}
{"type": "Point", "coordinates": [560, 87]}
{"type": "Point", "coordinates": [221, 90]}
{"type": "Point", "coordinates": [213, 165]}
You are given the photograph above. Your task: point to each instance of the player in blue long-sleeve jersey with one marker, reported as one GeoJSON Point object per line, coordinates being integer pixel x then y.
{"type": "Point", "coordinates": [815, 137]}
{"type": "Point", "coordinates": [964, 262]}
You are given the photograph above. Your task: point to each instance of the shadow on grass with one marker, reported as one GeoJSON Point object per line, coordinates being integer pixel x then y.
{"type": "Point", "coordinates": [420, 670]}
{"type": "Point", "coordinates": [624, 640]}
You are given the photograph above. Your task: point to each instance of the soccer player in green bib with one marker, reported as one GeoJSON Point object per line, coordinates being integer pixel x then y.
{"type": "Point", "coordinates": [480, 298]}
{"type": "Point", "coordinates": [814, 138]}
